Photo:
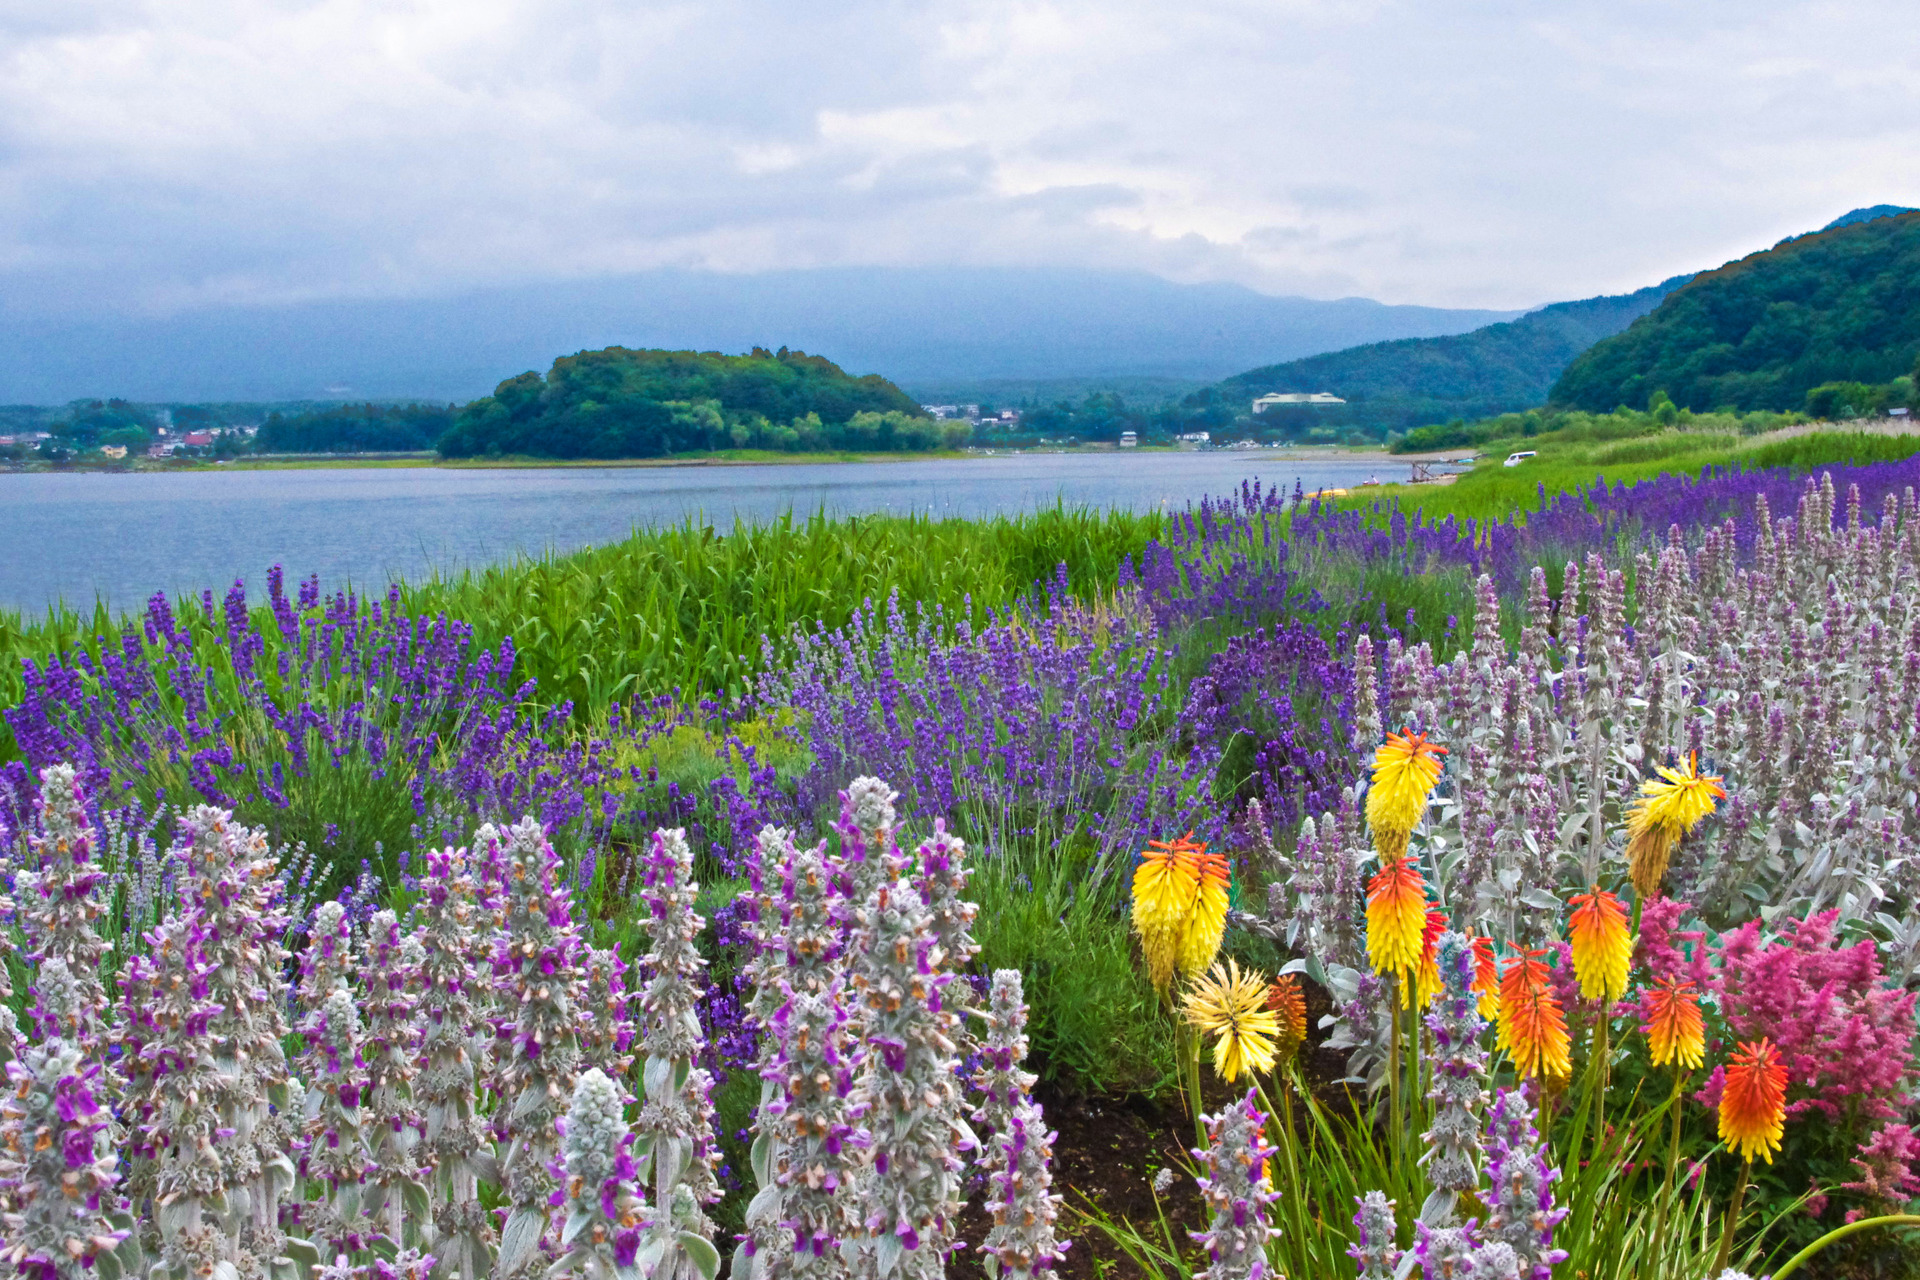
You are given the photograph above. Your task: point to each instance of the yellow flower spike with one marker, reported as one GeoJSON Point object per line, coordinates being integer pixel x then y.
{"type": "Point", "coordinates": [1602, 947]}
{"type": "Point", "coordinates": [1667, 808]}
{"type": "Point", "coordinates": [1206, 922]}
{"type": "Point", "coordinates": [1427, 979]}
{"type": "Point", "coordinates": [1396, 918]}
{"type": "Point", "coordinates": [1165, 888]}
{"type": "Point", "coordinates": [1533, 1031]}
{"type": "Point", "coordinates": [1405, 770]}
{"type": "Point", "coordinates": [1675, 1032]}
{"type": "Point", "coordinates": [1231, 1006]}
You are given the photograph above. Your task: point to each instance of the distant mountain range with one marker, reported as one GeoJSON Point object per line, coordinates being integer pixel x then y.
{"type": "Point", "coordinates": [1498, 369]}
{"type": "Point", "coordinates": [1839, 305]}
{"type": "Point", "coordinates": [933, 326]}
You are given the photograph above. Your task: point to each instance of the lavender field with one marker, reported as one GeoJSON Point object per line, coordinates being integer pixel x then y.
{"type": "Point", "coordinates": [382, 935]}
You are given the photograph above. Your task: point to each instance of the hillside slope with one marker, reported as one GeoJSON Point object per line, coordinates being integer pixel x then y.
{"type": "Point", "coordinates": [1837, 305]}
{"type": "Point", "coordinates": [1402, 384]}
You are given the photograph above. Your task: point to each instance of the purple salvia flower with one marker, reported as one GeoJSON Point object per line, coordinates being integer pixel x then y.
{"type": "Point", "coordinates": [1458, 1093]}
{"type": "Point", "coordinates": [1521, 1211]}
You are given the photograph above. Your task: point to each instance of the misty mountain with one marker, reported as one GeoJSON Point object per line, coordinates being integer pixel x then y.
{"type": "Point", "coordinates": [927, 325]}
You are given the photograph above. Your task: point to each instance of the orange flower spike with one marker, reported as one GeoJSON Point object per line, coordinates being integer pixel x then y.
{"type": "Point", "coordinates": [1753, 1101]}
{"type": "Point", "coordinates": [1289, 1007]}
{"type": "Point", "coordinates": [1396, 918]}
{"type": "Point", "coordinates": [1602, 946]}
{"type": "Point", "coordinates": [1675, 1032]}
{"type": "Point", "coordinates": [1486, 978]}
{"type": "Point", "coordinates": [1427, 982]}
{"type": "Point", "coordinates": [1533, 1031]}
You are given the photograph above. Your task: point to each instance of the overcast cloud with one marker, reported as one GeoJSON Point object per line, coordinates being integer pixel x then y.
{"type": "Point", "coordinates": [181, 152]}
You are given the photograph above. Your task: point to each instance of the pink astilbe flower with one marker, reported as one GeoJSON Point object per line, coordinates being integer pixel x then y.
{"type": "Point", "coordinates": [1660, 944]}
{"type": "Point", "coordinates": [1842, 1035]}
{"type": "Point", "coordinates": [1887, 1167]}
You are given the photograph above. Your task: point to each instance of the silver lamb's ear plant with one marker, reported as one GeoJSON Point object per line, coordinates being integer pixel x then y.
{"type": "Point", "coordinates": [453, 995]}
{"type": "Point", "coordinates": [1237, 1192]}
{"type": "Point", "coordinates": [61, 1216]}
{"type": "Point", "coordinates": [604, 1209]}
{"type": "Point", "coordinates": [1521, 1211]}
{"type": "Point", "coordinates": [234, 917]}
{"type": "Point", "coordinates": [1452, 1158]}
{"type": "Point", "coordinates": [803, 1156]}
{"type": "Point", "coordinates": [675, 1149]}
{"type": "Point", "coordinates": [335, 1158]}
{"type": "Point", "coordinates": [606, 1024]}
{"type": "Point", "coordinates": [1023, 1241]}
{"type": "Point", "coordinates": [61, 902]}
{"type": "Point", "coordinates": [1375, 1251]}
{"type": "Point", "coordinates": [537, 964]}
{"type": "Point", "coordinates": [906, 1100]}
{"type": "Point", "coordinates": [396, 1198]}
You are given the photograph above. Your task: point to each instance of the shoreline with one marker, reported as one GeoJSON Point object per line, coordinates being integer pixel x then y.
{"type": "Point", "coordinates": [724, 458]}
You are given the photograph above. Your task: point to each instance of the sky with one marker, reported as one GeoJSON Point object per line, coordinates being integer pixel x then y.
{"type": "Point", "coordinates": [177, 154]}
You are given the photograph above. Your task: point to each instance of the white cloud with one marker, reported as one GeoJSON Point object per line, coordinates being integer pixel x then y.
{"type": "Point", "coordinates": [1462, 153]}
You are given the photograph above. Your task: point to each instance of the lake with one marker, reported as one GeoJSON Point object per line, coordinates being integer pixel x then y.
{"type": "Point", "coordinates": [75, 537]}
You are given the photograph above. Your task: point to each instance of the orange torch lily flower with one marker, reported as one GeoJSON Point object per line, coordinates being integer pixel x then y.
{"type": "Point", "coordinates": [1602, 947]}
{"type": "Point", "coordinates": [1668, 807]}
{"type": "Point", "coordinates": [1533, 1031]}
{"type": "Point", "coordinates": [1396, 917]}
{"type": "Point", "coordinates": [1289, 1008]}
{"type": "Point", "coordinates": [1753, 1101]}
{"type": "Point", "coordinates": [1405, 770]}
{"type": "Point", "coordinates": [1486, 978]}
{"type": "Point", "coordinates": [1675, 1033]}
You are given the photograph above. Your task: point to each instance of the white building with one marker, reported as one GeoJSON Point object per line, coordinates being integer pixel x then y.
{"type": "Point", "coordinates": [1272, 398]}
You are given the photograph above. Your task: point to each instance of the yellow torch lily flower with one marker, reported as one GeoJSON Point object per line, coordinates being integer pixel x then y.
{"type": "Point", "coordinates": [1405, 769]}
{"type": "Point", "coordinates": [1166, 886]}
{"type": "Point", "coordinates": [1231, 1006]}
{"type": "Point", "coordinates": [1206, 922]}
{"type": "Point", "coordinates": [1667, 808]}
{"type": "Point", "coordinates": [1602, 947]}
{"type": "Point", "coordinates": [1396, 918]}
{"type": "Point", "coordinates": [1675, 1032]}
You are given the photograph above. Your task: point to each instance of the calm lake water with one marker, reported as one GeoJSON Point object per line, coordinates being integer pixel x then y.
{"type": "Point", "coordinates": [78, 537]}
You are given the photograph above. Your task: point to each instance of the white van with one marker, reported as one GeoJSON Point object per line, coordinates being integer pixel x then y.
{"type": "Point", "coordinates": [1515, 459]}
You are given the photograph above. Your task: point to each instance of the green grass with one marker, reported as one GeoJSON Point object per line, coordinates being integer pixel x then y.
{"type": "Point", "coordinates": [1626, 448]}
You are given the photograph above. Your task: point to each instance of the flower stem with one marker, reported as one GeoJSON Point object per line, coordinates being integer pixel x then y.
{"type": "Point", "coordinates": [1733, 1217]}
{"type": "Point", "coordinates": [1602, 1068]}
{"type": "Point", "coordinates": [1393, 1072]}
{"type": "Point", "coordinates": [1190, 1053]}
{"type": "Point", "coordinates": [1888, 1220]}
{"type": "Point", "coordinates": [1673, 1155]}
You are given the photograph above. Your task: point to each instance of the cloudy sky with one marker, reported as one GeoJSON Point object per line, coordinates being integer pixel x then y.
{"type": "Point", "coordinates": [167, 154]}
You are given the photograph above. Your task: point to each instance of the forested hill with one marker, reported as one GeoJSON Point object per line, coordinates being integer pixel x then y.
{"type": "Point", "coordinates": [619, 403]}
{"type": "Point", "coordinates": [1841, 305]}
{"type": "Point", "coordinates": [1502, 367]}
